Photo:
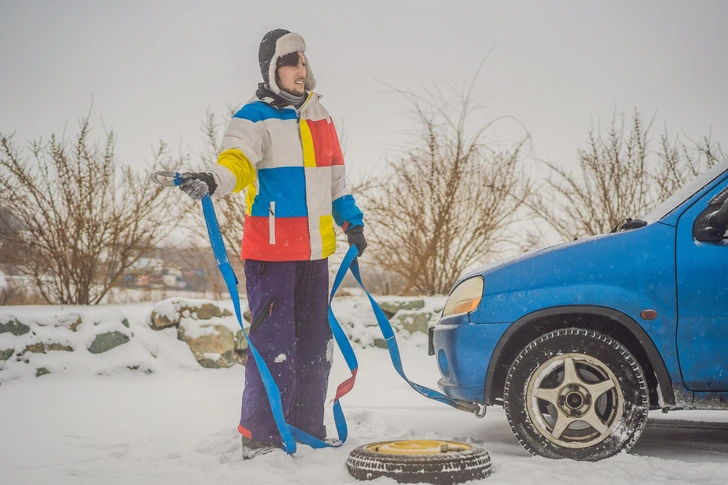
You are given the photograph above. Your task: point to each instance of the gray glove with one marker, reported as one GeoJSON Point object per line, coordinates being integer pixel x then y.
{"type": "Point", "coordinates": [198, 184]}
{"type": "Point", "coordinates": [356, 238]}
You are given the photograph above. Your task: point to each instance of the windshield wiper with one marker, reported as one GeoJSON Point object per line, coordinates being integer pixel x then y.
{"type": "Point", "coordinates": [628, 223]}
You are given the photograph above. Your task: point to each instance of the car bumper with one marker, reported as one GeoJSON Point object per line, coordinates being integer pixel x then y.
{"type": "Point", "coordinates": [463, 351]}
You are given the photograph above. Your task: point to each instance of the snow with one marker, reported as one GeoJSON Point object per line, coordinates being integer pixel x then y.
{"type": "Point", "coordinates": [196, 329]}
{"type": "Point", "coordinates": [212, 356]}
{"type": "Point", "coordinates": [95, 419]}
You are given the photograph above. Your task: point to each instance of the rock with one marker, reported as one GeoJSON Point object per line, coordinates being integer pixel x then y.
{"type": "Point", "coordinates": [160, 321]}
{"type": "Point", "coordinates": [15, 327]}
{"type": "Point", "coordinates": [125, 322]}
{"type": "Point", "coordinates": [6, 354]}
{"type": "Point", "coordinates": [213, 361]}
{"type": "Point", "coordinates": [75, 324]}
{"type": "Point", "coordinates": [41, 371]}
{"type": "Point", "coordinates": [59, 347]}
{"type": "Point", "coordinates": [409, 322]}
{"type": "Point", "coordinates": [413, 305]}
{"type": "Point", "coordinates": [241, 347]}
{"type": "Point", "coordinates": [36, 348]}
{"type": "Point", "coordinates": [387, 313]}
{"type": "Point", "coordinates": [212, 345]}
{"type": "Point", "coordinates": [237, 356]}
{"type": "Point", "coordinates": [168, 313]}
{"type": "Point", "coordinates": [206, 311]}
{"type": "Point", "coordinates": [44, 348]}
{"type": "Point", "coordinates": [227, 313]}
{"type": "Point", "coordinates": [241, 343]}
{"type": "Point", "coordinates": [391, 307]}
{"type": "Point", "coordinates": [413, 322]}
{"type": "Point", "coordinates": [380, 343]}
{"type": "Point", "coordinates": [136, 368]}
{"type": "Point", "coordinates": [70, 321]}
{"type": "Point", "coordinates": [107, 341]}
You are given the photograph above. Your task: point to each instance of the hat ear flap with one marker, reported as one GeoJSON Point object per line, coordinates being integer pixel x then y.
{"type": "Point", "coordinates": [272, 83]}
{"type": "Point", "coordinates": [310, 83]}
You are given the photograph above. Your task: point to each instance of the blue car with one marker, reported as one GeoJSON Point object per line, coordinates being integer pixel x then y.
{"type": "Point", "coordinates": [580, 340]}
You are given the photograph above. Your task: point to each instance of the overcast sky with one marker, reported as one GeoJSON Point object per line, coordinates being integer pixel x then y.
{"type": "Point", "coordinates": [154, 67]}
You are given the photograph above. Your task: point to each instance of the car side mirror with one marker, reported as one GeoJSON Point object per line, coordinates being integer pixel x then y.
{"type": "Point", "coordinates": [719, 219]}
{"type": "Point", "coordinates": [711, 224]}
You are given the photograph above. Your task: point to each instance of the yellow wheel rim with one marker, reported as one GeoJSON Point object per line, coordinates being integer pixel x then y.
{"type": "Point", "coordinates": [418, 447]}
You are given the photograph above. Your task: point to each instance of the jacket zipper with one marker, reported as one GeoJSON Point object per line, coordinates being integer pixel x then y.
{"type": "Point", "coordinates": [267, 312]}
{"type": "Point", "coordinates": [272, 222]}
{"type": "Point", "coordinates": [300, 141]}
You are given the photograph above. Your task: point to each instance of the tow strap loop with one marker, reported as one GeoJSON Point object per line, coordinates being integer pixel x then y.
{"type": "Point", "coordinates": [350, 262]}
{"type": "Point", "coordinates": [289, 433]}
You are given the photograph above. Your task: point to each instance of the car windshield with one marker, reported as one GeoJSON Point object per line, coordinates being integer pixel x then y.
{"type": "Point", "coordinates": [687, 191]}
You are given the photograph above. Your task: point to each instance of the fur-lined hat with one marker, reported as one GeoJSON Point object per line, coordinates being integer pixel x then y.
{"type": "Point", "coordinates": [276, 44]}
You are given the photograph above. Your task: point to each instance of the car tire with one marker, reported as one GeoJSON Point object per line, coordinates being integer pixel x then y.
{"type": "Point", "coordinates": [417, 461]}
{"type": "Point", "coordinates": [576, 393]}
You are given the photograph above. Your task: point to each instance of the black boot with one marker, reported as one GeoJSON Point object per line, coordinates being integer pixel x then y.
{"type": "Point", "coordinates": [252, 448]}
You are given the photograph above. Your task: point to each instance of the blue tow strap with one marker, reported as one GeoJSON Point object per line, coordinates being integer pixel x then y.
{"type": "Point", "coordinates": [290, 434]}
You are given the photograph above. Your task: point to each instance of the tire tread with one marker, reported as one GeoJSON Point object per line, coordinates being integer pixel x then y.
{"type": "Point", "coordinates": [579, 332]}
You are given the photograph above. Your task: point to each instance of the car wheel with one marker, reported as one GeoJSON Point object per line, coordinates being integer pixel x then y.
{"type": "Point", "coordinates": [419, 461]}
{"type": "Point", "coordinates": [576, 393]}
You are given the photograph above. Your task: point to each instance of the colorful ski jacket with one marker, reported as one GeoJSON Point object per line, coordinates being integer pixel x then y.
{"type": "Point", "coordinates": [290, 164]}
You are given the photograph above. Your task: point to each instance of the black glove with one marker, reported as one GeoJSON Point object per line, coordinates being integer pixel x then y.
{"type": "Point", "coordinates": [197, 184]}
{"type": "Point", "coordinates": [356, 238]}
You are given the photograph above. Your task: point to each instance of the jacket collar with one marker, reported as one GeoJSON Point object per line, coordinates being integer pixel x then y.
{"type": "Point", "coordinates": [269, 97]}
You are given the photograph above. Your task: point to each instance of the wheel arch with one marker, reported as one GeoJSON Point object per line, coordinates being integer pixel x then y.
{"type": "Point", "coordinates": [602, 319]}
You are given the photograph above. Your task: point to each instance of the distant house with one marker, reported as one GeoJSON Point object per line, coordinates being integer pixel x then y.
{"type": "Point", "coordinates": [9, 221]}
{"type": "Point", "coordinates": [8, 224]}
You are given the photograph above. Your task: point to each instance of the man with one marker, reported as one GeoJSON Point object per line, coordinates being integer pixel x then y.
{"type": "Point", "coordinates": [282, 149]}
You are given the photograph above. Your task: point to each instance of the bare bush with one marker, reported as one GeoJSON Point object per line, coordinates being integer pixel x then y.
{"type": "Point", "coordinates": [619, 176]}
{"type": "Point", "coordinates": [17, 292]}
{"type": "Point", "coordinates": [230, 210]}
{"type": "Point", "coordinates": [679, 162]}
{"type": "Point", "coordinates": [448, 202]}
{"type": "Point", "coordinates": [84, 220]}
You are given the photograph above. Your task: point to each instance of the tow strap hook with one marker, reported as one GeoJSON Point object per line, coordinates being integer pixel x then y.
{"type": "Point", "coordinates": [480, 413]}
{"type": "Point", "coordinates": [477, 409]}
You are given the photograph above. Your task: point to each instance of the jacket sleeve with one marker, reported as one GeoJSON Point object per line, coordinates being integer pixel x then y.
{"type": "Point", "coordinates": [242, 150]}
{"type": "Point", "coordinates": [344, 209]}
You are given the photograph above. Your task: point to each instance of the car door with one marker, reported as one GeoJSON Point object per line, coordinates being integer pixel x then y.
{"type": "Point", "coordinates": [702, 294]}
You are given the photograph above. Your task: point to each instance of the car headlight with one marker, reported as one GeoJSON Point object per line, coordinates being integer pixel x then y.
{"type": "Point", "coordinates": [465, 297]}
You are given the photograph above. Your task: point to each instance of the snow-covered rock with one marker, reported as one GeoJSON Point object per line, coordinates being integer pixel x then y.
{"type": "Point", "coordinates": [169, 313]}
{"type": "Point", "coordinates": [213, 346]}
{"type": "Point", "coordinates": [38, 340]}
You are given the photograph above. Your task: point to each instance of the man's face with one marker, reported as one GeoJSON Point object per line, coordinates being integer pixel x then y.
{"type": "Point", "coordinates": [291, 78]}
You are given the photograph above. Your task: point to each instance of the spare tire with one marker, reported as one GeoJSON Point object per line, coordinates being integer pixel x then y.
{"type": "Point", "coordinates": [419, 461]}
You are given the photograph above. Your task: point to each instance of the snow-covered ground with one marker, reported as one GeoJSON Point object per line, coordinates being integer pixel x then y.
{"type": "Point", "coordinates": [106, 424]}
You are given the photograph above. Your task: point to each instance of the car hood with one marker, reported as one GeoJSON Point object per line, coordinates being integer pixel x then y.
{"type": "Point", "coordinates": [520, 258]}
{"type": "Point", "coordinates": [609, 258]}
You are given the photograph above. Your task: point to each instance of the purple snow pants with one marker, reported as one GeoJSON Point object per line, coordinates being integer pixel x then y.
{"type": "Point", "coordinates": [289, 306]}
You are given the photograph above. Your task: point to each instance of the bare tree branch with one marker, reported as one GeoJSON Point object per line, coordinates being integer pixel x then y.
{"type": "Point", "coordinates": [618, 178]}
{"type": "Point", "coordinates": [446, 203]}
{"type": "Point", "coordinates": [75, 221]}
